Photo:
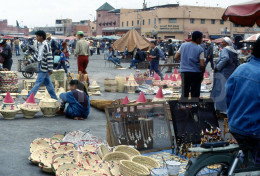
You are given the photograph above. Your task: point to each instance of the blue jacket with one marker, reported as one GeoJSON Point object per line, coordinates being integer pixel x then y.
{"type": "Point", "coordinates": [226, 64]}
{"type": "Point", "coordinates": [243, 99]}
{"type": "Point", "coordinates": [155, 52]}
{"type": "Point", "coordinates": [75, 109]}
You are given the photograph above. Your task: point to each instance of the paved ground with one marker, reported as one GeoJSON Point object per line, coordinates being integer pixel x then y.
{"type": "Point", "coordinates": [16, 135]}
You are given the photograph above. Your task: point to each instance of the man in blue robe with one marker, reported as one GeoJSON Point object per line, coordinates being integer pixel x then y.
{"type": "Point", "coordinates": [77, 104]}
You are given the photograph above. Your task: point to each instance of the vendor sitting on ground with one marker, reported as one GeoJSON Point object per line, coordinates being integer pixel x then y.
{"type": "Point", "coordinates": [110, 55]}
{"type": "Point", "coordinates": [139, 57]}
{"type": "Point", "coordinates": [76, 103]}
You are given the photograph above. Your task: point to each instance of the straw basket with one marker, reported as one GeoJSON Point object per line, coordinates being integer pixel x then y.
{"type": "Point", "coordinates": [45, 169]}
{"type": "Point", "coordinates": [121, 81]}
{"type": "Point", "coordinates": [116, 156]}
{"type": "Point", "coordinates": [101, 104]}
{"type": "Point", "coordinates": [128, 150]}
{"type": "Point", "coordinates": [61, 160]}
{"type": "Point", "coordinates": [39, 143]}
{"type": "Point", "coordinates": [102, 151]}
{"type": "Point", "coordinates": [65, 166]}
{"type": "Point", "coordinates": [59, 75]}
{"type": "Point", "coordinates": [9, 115]}
{"type": "Point", "coordinates": [110, 85]}
{"type": "Point", "coordinates": [49, 111]}
{"type": "Point", "coordinates": [83, 172]}
{"type": "Point", "coordinates": [129, 168]}
{"type": "Point", "coordinates": [146, 161]}
{"type": "Point", "coordinates": [29, 113]}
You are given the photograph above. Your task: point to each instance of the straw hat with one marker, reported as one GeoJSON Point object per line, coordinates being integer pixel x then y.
{"type": "Point", "coordinates": [102, 151]}
{"type": "Point", "coordinates": [83, 172]}
{"type": "Point", "coordinates": [88, 148]}
{"type": "Point", "coordinates": [101, 165]}
{"type": "Point", "coordinates": [39, 143]}
{"type": "Point", "coordinates": [48, 35]}
{"type": "Point", "coordinates": [94, 85]}
{"type": "Point", "coordinates": [146, 161]}
{"type": "Point", "coordinates": [64, 148]}
{"type": "Point", "coordinates": [61, 160]}
{"type": "Point", "coordinates": [35, 156]}
{"type": "Point", "coordinates": [116, 156]}
{"type": "Point", "coordinates": [130, 151]}
{"type": "Point", "coordinates": [129, 168]}
{"type": "Point", "coordinates": [159, 96]}
{"type": "Point", "coordinates": [58, 136]}
{"type": "Point", "coordinates": [66, 166]}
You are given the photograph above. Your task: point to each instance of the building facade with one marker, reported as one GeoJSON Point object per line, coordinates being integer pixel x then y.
{"type": "Point", "coordinates": [6, 29]}
{"type": "Point", "coordinates": [174, 21]}
{"type": "Point", "coordinates": [107, 17]}
{"type": "Point", "coordinates": [50, 30]}
{"type": "Point", "coordinates": [88, 27]}
{"type": "Point", "coordinates": [63, 27]}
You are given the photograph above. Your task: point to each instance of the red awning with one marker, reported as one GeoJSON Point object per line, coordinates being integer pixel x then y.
{"type": "Point", "coordinates": [7, 37]}
{"type": "Point", "coordinates": [245, 14]}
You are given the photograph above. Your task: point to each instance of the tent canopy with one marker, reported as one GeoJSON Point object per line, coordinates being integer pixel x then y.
{"type": "Point", "coordinates": [131, 40]}
{"type": "Point", "coordinates": [245, 14]}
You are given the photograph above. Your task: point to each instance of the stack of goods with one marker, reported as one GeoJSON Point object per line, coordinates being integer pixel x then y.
{"type": "Point", "coordinates": [166, 80]}
{"type": "Point", "coordinates": [156, 80]}
{"type": "Point", "coordinates": [49, 107]}
{"type": "Point", "coordinates": [79, 153]}
{"type": "Point", "coordinates": [9, 81]}
{"type": "Point", "coordinates": [173, 83]}
{"type": "Point", "coordinates": [8, 108]}
{"type": "Point", "coordinates": [131, 84]}
{"type": "Point", "coordinates": [59, 75]}
{"type": "Point", "coordinates": [30, 107]}
{"type": "Point", "coordinates": [94, 88]}
{"type": "Point", "coordinates": [121, 81]}
{"type": "Point", "coordinates": [110, 85]}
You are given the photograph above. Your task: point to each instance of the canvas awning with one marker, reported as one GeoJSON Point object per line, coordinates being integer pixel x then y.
{"type": "Point", "coordinates": [131, 40]}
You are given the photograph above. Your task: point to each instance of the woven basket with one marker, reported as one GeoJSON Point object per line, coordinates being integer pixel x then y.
{"type": "Point", "coordinates": [64, 149]}
{"type": "Point", "coordinates": [129, 168]}
{"type": "Point", "coordinates": [39, 143]}
{"type": "Point", "coordinates": [83, 172]}
{"type": "Point", "coordinates": [88, 148]}
{"type": "Point", "coordinates": [9, 115]}
{"type": "Point", "coordinates": [35, 156]}
{"type": "Point", "coordinates": [102, 151]}
{"type": "Point", "coordinates": [110, 85]}
{"type": "Point", "coordinates": [116, 156]}
{"type": "Point", "coordinates": [65, 166]}
{"type": "Point", "coordinates": [128, 150]}
{"type": "Point", "coordinates": [58, 136]}
{"type": "Point", "coordinates": [146, 161]}
{"type": "Point", "coordinates": [29, 114]}
{"type": "Point", "coordinates": [121, 81]}
{"type": "Point", "coordinates": [49, 111]}
{"type": "Point", "coordinates": [61, 160]}
{"type": "Point", "coordinates": [46, 158]}
{"type": "Point", "coordinates": [114, 168]}
{"type": "Point", "coordinates": [45, 169]}
{"type": "Point", "coordinates": [57, 145]}
{"type": "Point", "coordinates": [89, 159]}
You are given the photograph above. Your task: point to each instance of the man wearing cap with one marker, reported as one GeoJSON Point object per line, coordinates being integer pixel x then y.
{"type": "Point", "coordinates": [192, 65]}
{"type": "Point", "coordinates": [6, 53]}
{"type": "Point", "coordinates": [45, 59]}
{"type": "Point", "coordinates": [225, 66]}
{"type": "Point", "coordinates": [52, 43]}
{"type": "Point", "coordinates": [209, 55]}
{"type": "Point", "coordinates": [82, 52]}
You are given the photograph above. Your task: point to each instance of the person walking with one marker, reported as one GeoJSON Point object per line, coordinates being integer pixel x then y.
{"type": "Point", "coordinates": [45, 59]}
{"type": "Point", "coordinates": [155, 56]}
{"type": "Point", "coordinates": [210, 55]}
{"type": "Point", "coordinates": [171, 49]}
{"type": "Point", "coordinates": [6, 53]}
{"type": "Point", "coordinates": [192, 65]}
{"type": "Point", "coordinates": [17, 47]}
{"type": "Point", "coordinates": [53, 43]}
{"type": "Point", "coordinates": [103, 45]}
{"type": "Point", "coordinates": [98, 48]}
{"type": "Point", "coordinates": [225, 66]}
{"type": "Point", "coordinates": [82, 52]}
{"type": "Point", "coordinates": [63, 60]}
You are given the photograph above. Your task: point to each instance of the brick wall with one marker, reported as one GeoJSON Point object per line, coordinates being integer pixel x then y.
{"type": "Point", "coordinates": [105, 19]}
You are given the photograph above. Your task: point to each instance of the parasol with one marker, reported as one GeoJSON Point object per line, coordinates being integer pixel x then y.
{"type": "Point", "coordinates": [252, 38]}
{"type": "Point", "coordinates": [131, 40]}
{"type": "Point", "coordinates": [245, 14]}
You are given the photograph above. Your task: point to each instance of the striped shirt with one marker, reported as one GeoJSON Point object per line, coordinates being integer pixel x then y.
{"type": "Point", "coordinates": [45, 57]}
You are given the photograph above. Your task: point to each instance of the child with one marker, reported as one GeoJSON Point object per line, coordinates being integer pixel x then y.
{"type": "Point", "coordinates": [62, 60]}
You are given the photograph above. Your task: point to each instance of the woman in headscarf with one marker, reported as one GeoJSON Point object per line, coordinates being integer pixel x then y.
{"type": "Point", "coordinates": [225, 66]}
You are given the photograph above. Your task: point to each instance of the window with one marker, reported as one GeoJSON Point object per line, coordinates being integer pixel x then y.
{"type": "Point", "coordinates": [221, 22]}
{"type": "Point", "coordinates": [172, 20]}
{"type": "Point", "coordinates": [132, 23]}
{"type": "Point", "coordinates": [235, 25]}
{"type": "Point", "coordinates": [122, 24]}
{"type": "Point", "coordinates": [155, 21]}
{"type": "Point", "coordinates": [138, 22]}
{"type": "Point", "coordinates": [202, 21]}
{"type": "Point", "coordinates": [143, 22]}
{"type": "Point", "coordinates": [127, 23]}
{"type": "Point", "coordinates": [192, 21]}
{"type": "Point", "coordinates": [212, 21]}
{"type": "Point", "coordinates": [149, 21]}
{"type": "Point", "coordinates": [99, 15]}
{"type": "Point", "coordinates": [160, 20]}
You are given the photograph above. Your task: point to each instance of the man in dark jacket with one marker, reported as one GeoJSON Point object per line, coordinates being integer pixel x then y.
{"type": "Point", "coordinates": [155, 55]}
{"type": "Point", "coordinates": [171, 50]}
{"type": "Point", "coordinates": [6, 53]}
{"type": "Point", "coordinates": [140, 56]}
{"type": "Point", "coordinates": [52, 43]}
{"type": "Point", "coordinates": [209, 55]}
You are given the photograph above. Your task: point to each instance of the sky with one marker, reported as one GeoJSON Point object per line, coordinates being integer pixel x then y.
{"type": "Point", "coordinates": [35, 13]}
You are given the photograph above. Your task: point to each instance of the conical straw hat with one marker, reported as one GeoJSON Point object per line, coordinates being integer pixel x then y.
{"type": "Point", "coordinates": [179, 77]}
{"type": "Point", "coordinates": [125, 101]}
{"type": "Point", "coordinates": [166, 77]}
{"type": "Point", "coordinates": [156, 77]}
{"type": "Point", "coordinates": [31, 99]}
{"type": "Point", "coordinates": [175, 71]}
{"type": "Point", "coordinates": [24, 92]}
{"type": "Point", "coordinates": [141, 98]}
{"type": "Point", "coordinates": [174, 78]}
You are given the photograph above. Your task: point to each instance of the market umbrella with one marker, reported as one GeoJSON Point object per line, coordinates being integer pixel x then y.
{"type": "Point", "coordinates": [150, 39]}
{"type": "Point", "coordinates": [7, 37]}
{"type": "Point", "coordinates": [245, 14]}
{"type": "Point", "coordinates": [252, 38]}
{"type": "Point", "coordinates": [131, 40]}
{"type": "Point", "coordinates": [219, 40]}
